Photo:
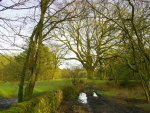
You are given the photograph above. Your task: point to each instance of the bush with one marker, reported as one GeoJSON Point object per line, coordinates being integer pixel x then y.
{"type": "Point", "coordinates": [48, 103]}
{"type": "Point", "coordinates": [69, 92]}
{"type": "Point", "coordinates": [123, 83]}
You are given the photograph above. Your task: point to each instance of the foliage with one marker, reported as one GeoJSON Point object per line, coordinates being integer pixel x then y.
{"type": "Point", "coordinates": [69, 92]}
{"type": "Point", "coordinates": [48, 64]}
{"type": "Point", "coordinates": [9, 63]}
{"type": "Point", "coordinates": [47, 103]}
{"type": "Point", "coordinates": [123, 83]}
{"type": "Point", "coordinates": [65, 73]}
{"type": "Point", "coordinates": [76, 76]}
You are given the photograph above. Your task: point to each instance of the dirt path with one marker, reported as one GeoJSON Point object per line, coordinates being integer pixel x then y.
{"type": "Point", "coordinates": [102, 104]}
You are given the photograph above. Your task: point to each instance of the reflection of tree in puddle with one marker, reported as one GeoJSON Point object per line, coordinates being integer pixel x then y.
{"type": "Point", "coordinates": [82, 98]}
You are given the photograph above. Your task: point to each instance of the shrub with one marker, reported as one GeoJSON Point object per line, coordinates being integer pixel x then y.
{"type": "Point", "coordinates": [47, 103]}
{"type": "Point", "coordinates": [123, 83]}
{"type": "Point", "coordinates": [69, 92]}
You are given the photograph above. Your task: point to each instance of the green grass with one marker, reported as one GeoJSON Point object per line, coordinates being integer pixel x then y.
{"type": "Point", "coordinates": [145, 106]}
{"type": "Point", "coordinates": [10, 89]}
{"type": "Point", "coordinates": [98, 82]}
{"type": "Point", "coordinates": [51, 85]}
{"type": "Point", "coordinates": [132, 91]}
{"type": "Point", "coordinates": [110, 93]}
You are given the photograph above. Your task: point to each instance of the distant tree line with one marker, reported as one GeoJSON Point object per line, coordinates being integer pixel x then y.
{"type": "Point", "coordinates": [11, 66]}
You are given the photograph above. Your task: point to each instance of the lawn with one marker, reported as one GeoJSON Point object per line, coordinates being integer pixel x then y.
{"type": "Point", "coordinates": [9, 89]}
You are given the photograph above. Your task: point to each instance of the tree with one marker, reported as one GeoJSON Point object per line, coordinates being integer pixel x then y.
{"type": "Point", "coordinates": [13, 26]}
{"type": "Point", "coordinates": [48, 21]}
{"type": "Point", "coordinates": [48, 65]}
{"type": "Point", "coordinates": [87, 38]}
{"type": "Point", "coordinates": [32, 59]}
{"type": "Point", "coordinates": [131, 18]}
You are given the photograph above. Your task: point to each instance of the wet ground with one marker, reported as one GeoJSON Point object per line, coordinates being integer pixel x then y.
{"type": "Point", "coordinates": [92, 103]}
{"type": "Point", "coordinates": [6, 103]}
{"type": "Point", "coordinates": [101, 104]}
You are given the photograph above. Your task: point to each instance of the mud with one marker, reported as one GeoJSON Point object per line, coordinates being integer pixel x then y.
{"type": "Point", "coordinates": [102, 104]}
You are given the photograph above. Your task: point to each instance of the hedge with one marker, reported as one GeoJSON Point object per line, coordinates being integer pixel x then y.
{"type": "Point", "coordinates": [47, 103]}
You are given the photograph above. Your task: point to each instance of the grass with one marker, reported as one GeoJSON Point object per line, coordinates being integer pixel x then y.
{"type": "Point", "coordinates": [10, 89]}
{"type": "Point", "coordinates": [97, 82]}
{"type": "Point", "coordinates": [111, 93]}
{"type": "Point", "coordinates": [132, 91]}
{"type": "Point", "coordinates": [106, 88]}
{"type": "Point", "coordinates": [145, 106]}
{"type": "Point", "coordinates": [51, 85]}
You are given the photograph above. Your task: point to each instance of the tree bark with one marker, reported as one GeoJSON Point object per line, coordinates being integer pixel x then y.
{"type": "Point", "coordinates": [24, 70]}
{"type": "Point", "coordinates": [30, 87]}
{"type": "Point", "coordinates": [35, 48]}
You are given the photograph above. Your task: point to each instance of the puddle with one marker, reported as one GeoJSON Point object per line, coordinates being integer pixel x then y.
{"type": "Point", "coordinates": [82, 98]}
{"type": "Point", "coordinates": [5, 103]}
{"type": "Point", "coordinates": [94, 94]}
{"type": "Point", "coordinates": [10, 101]}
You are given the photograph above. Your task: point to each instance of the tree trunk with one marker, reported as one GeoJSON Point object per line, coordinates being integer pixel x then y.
{"type": "Point", "coordinates": [23, 74]}
{"type": "Point", "coordinates": [35, 51]}
{"type": "Point", "coordinates": [30, 87]}
{"type": "Point", "coordinates": [147, 91]}
{"type": "Point", "coordinates": [20, 90]}
{"type": "Point", "coordinates": [34, 70]}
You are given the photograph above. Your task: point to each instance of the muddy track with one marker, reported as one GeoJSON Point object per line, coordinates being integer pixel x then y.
{"type": "Point", "coordinates": [102, 104]}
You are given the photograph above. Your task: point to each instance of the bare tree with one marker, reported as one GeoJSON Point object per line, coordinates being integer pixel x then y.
{"type": "Point", "coordinates": [90, 37]}
{"type": "Point", "coordinates": [50, 17]}
{"type": "Point", "coordinates": [132, 19]}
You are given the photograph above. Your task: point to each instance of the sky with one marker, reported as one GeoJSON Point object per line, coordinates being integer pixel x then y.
{"type": "Point", "coordinates": [9, 38]}
{"type": "Point", "coordinates": [9, 29]}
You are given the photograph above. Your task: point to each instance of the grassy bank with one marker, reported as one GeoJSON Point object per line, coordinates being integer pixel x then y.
{"type": "Point", "coordinates": [131, 92]}
{"type": "Point", "coordinates": [9, 89]}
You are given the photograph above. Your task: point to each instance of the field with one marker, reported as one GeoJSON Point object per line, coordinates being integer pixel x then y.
{"type": "Point", "coordinates": [133, 94]}
{"type": "Point", "coordinates": [9, 89]}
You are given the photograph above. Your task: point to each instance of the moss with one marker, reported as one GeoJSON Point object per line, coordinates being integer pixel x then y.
{"type": "Point", "coordinates": [47, 103]}
{"type": "Point", "coordinates": [43, 105]}
{"type": "Point", "coordinates": [58, 98]}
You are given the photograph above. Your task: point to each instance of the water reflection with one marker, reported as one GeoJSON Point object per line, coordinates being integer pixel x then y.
{"type": "Point", "coordinates": [82, 98]}
{"type": "Point", "coordinates": [5, 103]}
{"type": "Point", "coordinates": [94, 94]}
